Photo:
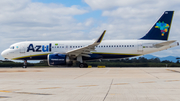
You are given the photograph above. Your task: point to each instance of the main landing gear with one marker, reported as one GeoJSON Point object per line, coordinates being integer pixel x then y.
{"type": "Point", "coordinates": [83, 65]}
{"type": "Point", "coordinates": [25, 64]}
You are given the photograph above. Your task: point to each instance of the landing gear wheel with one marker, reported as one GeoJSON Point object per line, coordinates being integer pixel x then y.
{"type": "Point", "coordinates": [83, 65]}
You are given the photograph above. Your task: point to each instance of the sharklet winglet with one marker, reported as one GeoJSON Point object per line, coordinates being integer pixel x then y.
{"type": "Point", "coordinates": [101, 37]}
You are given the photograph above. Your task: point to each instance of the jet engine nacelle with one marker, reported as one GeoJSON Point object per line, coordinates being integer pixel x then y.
{"type": "Point", "coordinates": [58, 59]}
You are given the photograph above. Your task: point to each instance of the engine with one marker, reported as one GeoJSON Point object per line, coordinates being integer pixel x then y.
{"type": "Point", "coordinates": [58, 59]}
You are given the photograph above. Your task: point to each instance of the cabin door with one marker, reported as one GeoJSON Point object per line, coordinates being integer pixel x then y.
{"type": "Point", "coordinates": [140, 48]}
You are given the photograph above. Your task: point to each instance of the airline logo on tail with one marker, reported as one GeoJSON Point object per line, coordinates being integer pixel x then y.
{"type": "Point", "coordinates": [163, 27]}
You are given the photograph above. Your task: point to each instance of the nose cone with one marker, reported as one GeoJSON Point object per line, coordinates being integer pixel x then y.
{"type": "Point", "coordinates": [4, 54]}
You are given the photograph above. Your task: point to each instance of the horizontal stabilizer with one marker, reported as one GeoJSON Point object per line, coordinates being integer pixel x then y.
{"type": "Point", "coordinates": [165, 43]}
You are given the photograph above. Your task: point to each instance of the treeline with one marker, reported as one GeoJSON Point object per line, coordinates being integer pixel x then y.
{"type": "Point", "coordinates": [20, 64]}
{"type": "Point", "coordinates": [133, 62]}
{"type": "Point", "coordinates": [14, 64]}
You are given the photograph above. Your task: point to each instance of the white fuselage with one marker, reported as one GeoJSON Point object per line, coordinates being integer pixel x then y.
{"type": "Point", "coordinates": [109, 49]}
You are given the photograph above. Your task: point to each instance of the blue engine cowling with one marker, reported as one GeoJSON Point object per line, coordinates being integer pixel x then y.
{"type": "Point", "coordinates": [58, 59]}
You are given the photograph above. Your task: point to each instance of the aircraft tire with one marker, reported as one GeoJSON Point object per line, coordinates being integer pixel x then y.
{"type": "Point", "coordinates": [83, 65]}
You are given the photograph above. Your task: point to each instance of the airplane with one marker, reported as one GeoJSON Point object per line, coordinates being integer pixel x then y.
{"type": "Point", "coordinates": [59, 53]}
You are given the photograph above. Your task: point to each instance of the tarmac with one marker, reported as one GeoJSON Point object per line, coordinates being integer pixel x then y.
{"type": "Point", "coordinates": [90, 84]}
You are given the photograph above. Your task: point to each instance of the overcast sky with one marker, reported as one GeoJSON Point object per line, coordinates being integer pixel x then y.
{"type": "Point", "coordinates": [40, 20]}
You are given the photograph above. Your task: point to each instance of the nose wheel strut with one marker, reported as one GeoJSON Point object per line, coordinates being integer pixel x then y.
{"type": "Point", "coordinates": [25, 64]}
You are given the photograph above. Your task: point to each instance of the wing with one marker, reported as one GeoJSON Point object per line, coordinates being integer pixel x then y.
{"type": "Point", "coordinates": [84, 51]}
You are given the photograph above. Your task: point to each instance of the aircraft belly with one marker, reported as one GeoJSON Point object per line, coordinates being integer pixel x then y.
{"type": "Point", "coordinates": [109, 56]}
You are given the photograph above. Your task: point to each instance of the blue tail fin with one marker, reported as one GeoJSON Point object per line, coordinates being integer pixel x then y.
{"type": "Point", "coordinates": [161, 29]}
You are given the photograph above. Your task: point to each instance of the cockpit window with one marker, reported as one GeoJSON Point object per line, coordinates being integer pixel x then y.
{"type": "Point", "coordinates": [12, 47]}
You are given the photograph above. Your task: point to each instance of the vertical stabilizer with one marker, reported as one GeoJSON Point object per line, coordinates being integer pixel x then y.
{"type": "Point", "coordinates": [161, 29]}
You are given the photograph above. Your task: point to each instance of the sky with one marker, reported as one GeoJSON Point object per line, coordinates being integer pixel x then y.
{"type": "Point", "coordinates": [41, 20]}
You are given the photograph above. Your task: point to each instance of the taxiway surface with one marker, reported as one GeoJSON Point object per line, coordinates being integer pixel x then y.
{"type": "Point", "coordinates": [90, 84]}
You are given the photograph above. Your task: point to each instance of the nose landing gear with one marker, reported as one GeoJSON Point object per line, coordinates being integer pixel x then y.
{"type": "Point", "coordinates": [25, 64]}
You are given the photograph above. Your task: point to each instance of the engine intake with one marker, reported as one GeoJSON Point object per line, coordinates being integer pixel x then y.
{"type": "Point", "coordinates": [58, 59]}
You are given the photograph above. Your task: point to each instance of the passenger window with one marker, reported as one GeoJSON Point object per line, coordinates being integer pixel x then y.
{"type": "Point", "coordinates": [127, 45]}
{"type": "Point", "coordinates": [62, 46]}
{"type": "Point", "coordinates": [119, 45]}
{"type": "Point", "coordinates": [57, 46]}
